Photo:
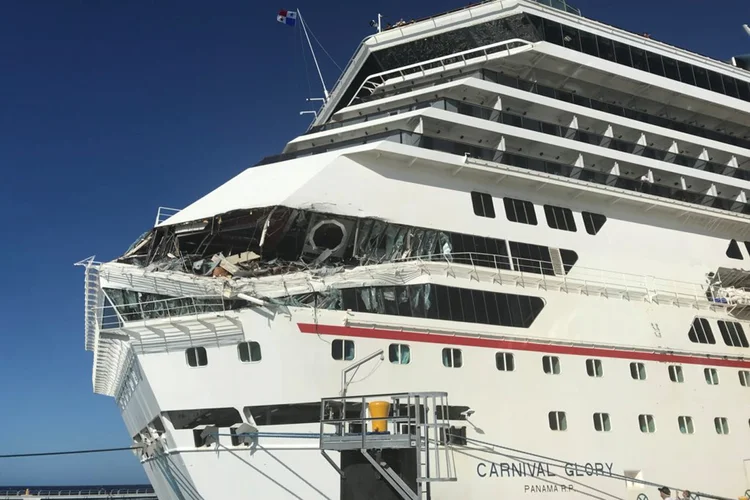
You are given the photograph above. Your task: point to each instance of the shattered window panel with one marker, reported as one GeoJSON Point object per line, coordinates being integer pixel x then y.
{"type": "Point", "coordinates": [134, 306]}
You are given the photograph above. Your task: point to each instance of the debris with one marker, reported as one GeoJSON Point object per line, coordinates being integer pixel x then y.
{"type": "Point", "coordinates": [242, 258]}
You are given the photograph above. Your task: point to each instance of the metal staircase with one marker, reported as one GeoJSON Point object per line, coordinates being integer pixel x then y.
{"type": "Point", "coordinates": [415, 420]}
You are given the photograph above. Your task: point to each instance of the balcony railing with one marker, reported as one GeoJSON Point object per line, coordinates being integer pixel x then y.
{"type": "Point", "coordinates": [530, 163]}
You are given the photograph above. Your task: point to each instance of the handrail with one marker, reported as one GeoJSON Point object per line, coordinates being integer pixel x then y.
{"type": "Point", "coordinates": [164, 213]}
{"type": "Point", "coordinates": [438, 62]}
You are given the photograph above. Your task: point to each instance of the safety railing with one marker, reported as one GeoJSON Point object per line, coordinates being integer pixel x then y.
{"type": "Point", "coordinates": [443, 63]}
{"type": "Point", "coordinates": [577, 279]}
{"type": "Point", "coordinates": [118, 312]}
{"type": "Point", "coordinates": [102, 493]}
{"type": "Point", "coordinates": [164, 213]}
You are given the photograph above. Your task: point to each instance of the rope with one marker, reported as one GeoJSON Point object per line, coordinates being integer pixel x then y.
{"type": "Point", "coordinates": [73, 452]}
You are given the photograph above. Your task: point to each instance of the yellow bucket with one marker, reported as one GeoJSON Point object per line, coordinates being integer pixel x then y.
{"type": "Point", "coordinates": [379, 410]}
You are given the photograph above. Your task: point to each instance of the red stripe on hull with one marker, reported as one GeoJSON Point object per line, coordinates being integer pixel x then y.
{"type": "Point", "coordinates": [515, 345]}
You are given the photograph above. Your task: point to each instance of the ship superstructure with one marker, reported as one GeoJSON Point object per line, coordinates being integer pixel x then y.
{"type": "Point", "coordinates": [521, 228]}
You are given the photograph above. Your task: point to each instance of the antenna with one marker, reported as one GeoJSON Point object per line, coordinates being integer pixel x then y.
{"type": "Point", "coordinates": [377, 25]}
{"type": "Point", "coordinates": [747, 28]}
{"type": "Point", "coordinates": [315, 59]}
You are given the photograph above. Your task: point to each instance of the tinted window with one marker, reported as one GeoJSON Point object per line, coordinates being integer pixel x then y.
{"type": "Point", "coordinates": [571, 39]}
{"type": "Point", "coordinates": [730, 86]}
{"type": "Point", "coordinates": [639, 58]}
{"type": "Point", "coordinates": [700, 332]}
{"type": "Point", "coordinates": [606, 49]}
{"type": "Point", "coordinates": [520, 211]}
{"type": "Point", "coordinates": [670, 68]}
{"type": "Point", "coordinates": [733, 250]}
{"type": "Point", "coordinates": [588, 43]}
{"type": "Point", "coordinates": [717, 84]}
{"type": "Point", "coordinates": [553, 32]}
{"type": "Point", "coordinates": [686, 73]}
{"type": "Point", "coordinates": [593, 222]}
{"type": "Point", "coordinates": [483, 206]}
{"type": "Point", "coordinates": [701, 77]}
{"type": "Point", "coordinates": [622, 54]}
{"type": "Point", "coordinates": [655, 65]}
{"type": "Point", "coordinates": [559, 218]}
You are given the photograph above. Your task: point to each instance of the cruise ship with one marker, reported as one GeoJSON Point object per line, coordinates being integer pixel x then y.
{"type": "Point", "coordinates": [506, 260]}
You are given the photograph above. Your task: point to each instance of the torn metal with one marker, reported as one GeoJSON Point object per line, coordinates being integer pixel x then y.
{"type": "Point", "coordinates": [280, 240]}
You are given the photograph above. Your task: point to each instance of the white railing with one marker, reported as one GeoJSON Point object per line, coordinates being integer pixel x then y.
{"type": "Point", "coordinates": [164, 213]}
{"type": "Point", "coordinates": [587, 281]}
{"type": "Point", "coordinates": [117, 315]}
{"type": "Point", "coordinates": [439, 64]}
{"type": "Point", "coordinates": [104, 493]}
{"type": "Point", "coordinates": [92, 300]}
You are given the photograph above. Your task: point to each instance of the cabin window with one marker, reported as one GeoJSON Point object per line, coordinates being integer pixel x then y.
{"type": "Point", "coordinates": [452, 358]}
{"type": "Point", "coordinates": [638, 371]}
{"type": "Point", "coordinates": [686, 424]}
{"type": "Point", "coordinates": [504, 361]}
{"type": "Point", "coordinates": [700, 332]}
{"type": "Point", "coordinates": [601, 422]}
{"type": "Point", "coordinates": [593, 222]}
{"type": "Point", "coordinates": [744, 378]}
{"type": "Point", "coordinates": [646, 423]}
{"type": "Point", "coordinates": [551, 365]}
{"type": "Point", "coordinates": [483, 206]}
{"type": "Point", "coordinates": [711, 375]}
{"type": "Point", "coordinates": [520, 211]}
{"type": "Point", "coordinates": [733, 334]}
{"type": "Point", "coordinates": [557, 421]}
{"type": "Point", "coordinates": [249, 352]}
{"type": "Point", "coordinates": [342, 350]}
{"type": "Point", "coordinates": [733, 250]}
{"type": "Point", "coordinates": [722, 425]}
{"type": "Point", "coordinates": [594, 367]}
{"type": "Point", "coordinates": [675, 374]}
{"type": "Point", "coordinates": [399, 354]}
{"type": "Point", "coordinates": [196, 356]}
{"type": "Point", "coordinates": [560, 218]}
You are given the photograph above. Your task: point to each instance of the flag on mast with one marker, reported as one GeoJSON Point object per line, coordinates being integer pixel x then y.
{"type": "Point", "coordinates": [288, 17]}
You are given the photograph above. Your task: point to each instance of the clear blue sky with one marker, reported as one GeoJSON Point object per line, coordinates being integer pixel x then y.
{"type": "Point", "coordinates": [109, 109]}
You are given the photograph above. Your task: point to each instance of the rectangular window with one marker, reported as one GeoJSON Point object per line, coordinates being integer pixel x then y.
{"type": "Point", "coordinates": [520, 211]}
{"type": "Point", "coordinates": [722, 425]}
{"type": "Point", "coordinates": [700, 332]}
{"type": "Point", "coordinates": [675, 374]}
{"type": "Point", "coordinates": [638, 371]}
{"type": "Point", "coordinates": [594, 367]}
{"type": "Point", "coordinates": [733, 334]}
{"type": "Point", "coordinates": [483, 206]}
{"type": "Point", "coordinates": [686, 425]}
{"type": "Point", "coordinates": [593, 222]}
{"type": "Point", "coordinates": [452, 358]}
{"type": "Point", "coordinates": [504, 361]}
{"type": "Point", "coordinates": [601, 422]}
{"type": "Point", "coordinates": [560, 218]}
{"type": "Point", "coordinates": [249, 352]}
{"type": "Point", "coordinates": [342, 350]}
{"type": "Point", "coordinates": [399, 354]}
{"type": "Point", "coordinates": [196, 356]}
{"type": "Point", "coordinates": [557, 421]}
{"type": "Point", "coordinates": [712, 376]}
{"type": "Point", "coordinates": [744, 378]}
{"type": "Point", "coordinates": [551, 365]}
{"type": "Point", "coordinates": [646, 423]}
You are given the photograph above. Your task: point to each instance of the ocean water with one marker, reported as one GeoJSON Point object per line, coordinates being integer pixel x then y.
{"type": "Point", "coordinates": [83, 489]}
